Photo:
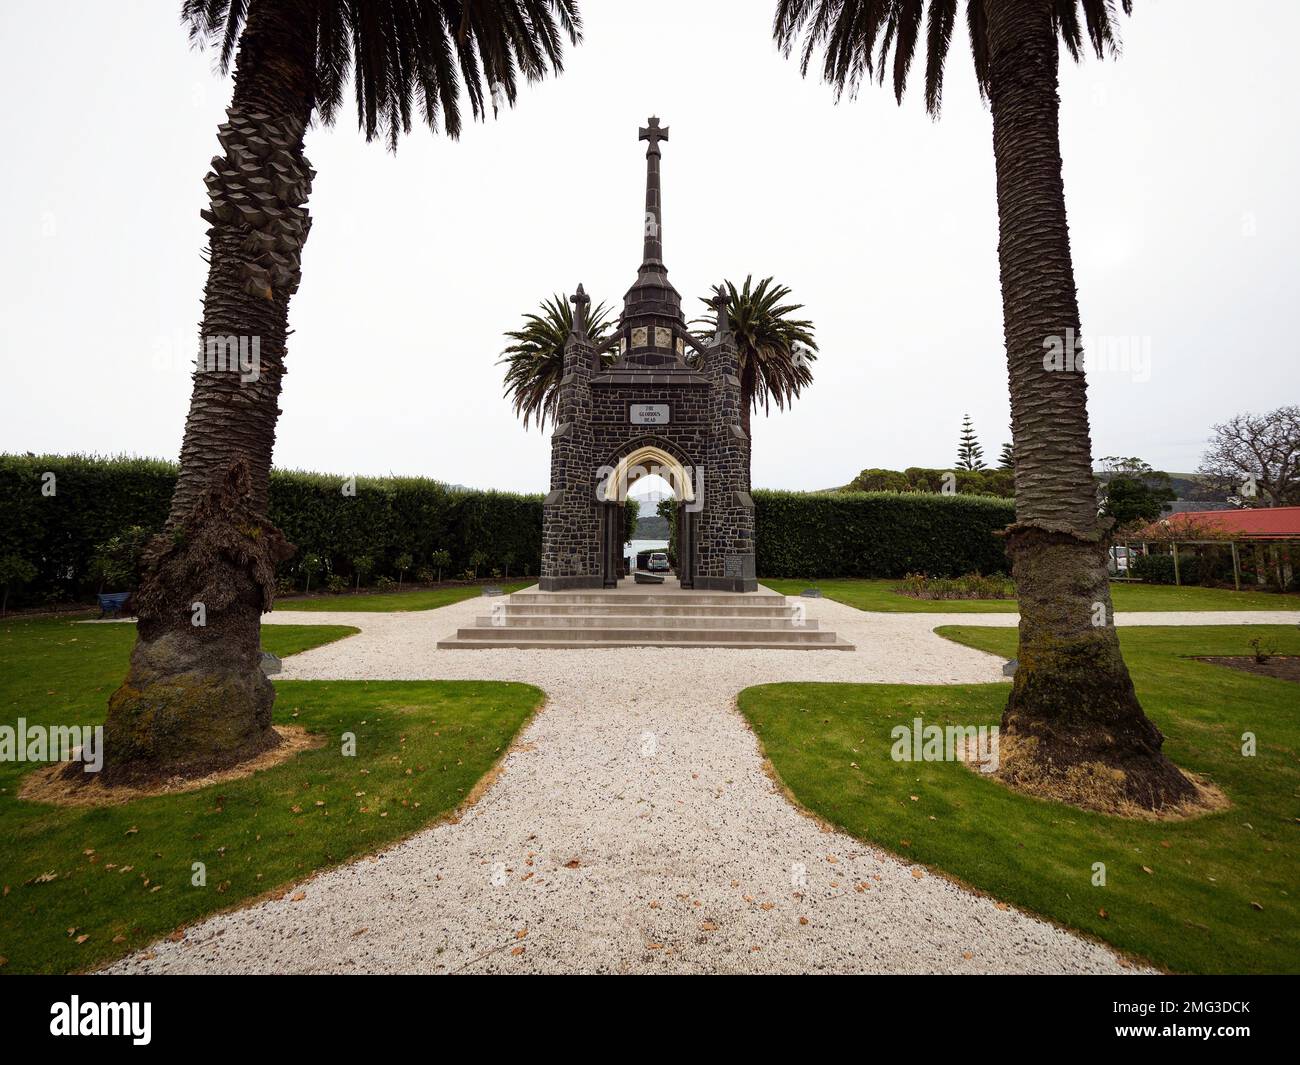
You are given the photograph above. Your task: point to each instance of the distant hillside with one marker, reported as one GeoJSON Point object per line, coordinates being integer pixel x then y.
{"type": "Point", "coordinates": [651, 527]}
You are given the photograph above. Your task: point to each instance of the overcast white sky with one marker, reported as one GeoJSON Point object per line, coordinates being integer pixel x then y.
{"type": "Point", "coordinates": [1181, 169]}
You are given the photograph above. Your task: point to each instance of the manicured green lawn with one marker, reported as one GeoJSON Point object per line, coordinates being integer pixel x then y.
{"type": "Point", "coordinates": [419, 599]}
{"type": "Point", "coordinates": [880, 595]}
{"type": "Point", "coordinates": [1196, 908]}
{"type": "Point", "coordinates": [125, 871]}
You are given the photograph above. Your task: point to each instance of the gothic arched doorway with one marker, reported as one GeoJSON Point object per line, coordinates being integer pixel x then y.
{"type": "Point", "coordinates": [648, 460]}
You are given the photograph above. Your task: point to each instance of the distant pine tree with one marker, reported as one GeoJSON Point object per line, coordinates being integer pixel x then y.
{"type": "Point", "coordinates": [1007, 460]}
{"type": "Point", "coordinates": [970, 456]}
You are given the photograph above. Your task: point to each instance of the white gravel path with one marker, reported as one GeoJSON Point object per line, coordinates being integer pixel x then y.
{"type": "Point", "coordinates": [641, 771]}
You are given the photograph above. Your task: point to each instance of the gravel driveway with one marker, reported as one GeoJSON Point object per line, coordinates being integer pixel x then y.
{"type": "Point", "coordinates": [635, 830]}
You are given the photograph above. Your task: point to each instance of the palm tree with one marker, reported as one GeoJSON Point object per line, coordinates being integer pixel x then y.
{"type": "Point", "coordinates": [195, 698]}
{"type": "Point", "coordinates": [1073, 727]}
{"type": "Point", "coordinates": [776, 350]}
{"type": "Point", "coordinates": [534, 360]}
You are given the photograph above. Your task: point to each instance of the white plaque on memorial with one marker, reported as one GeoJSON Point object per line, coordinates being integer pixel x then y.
{"type": "Point", "coordinates": [647, 413]}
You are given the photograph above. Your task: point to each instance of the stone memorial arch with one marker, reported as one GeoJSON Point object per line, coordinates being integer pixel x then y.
{"type": "Point", "coordinates": [668, 404]}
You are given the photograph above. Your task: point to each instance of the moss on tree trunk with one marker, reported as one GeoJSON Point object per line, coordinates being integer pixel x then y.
{"type": "Point", "coordinates": [195, 698]}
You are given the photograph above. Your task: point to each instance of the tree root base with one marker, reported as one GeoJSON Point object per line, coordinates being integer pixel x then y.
{"type": "Point", "coordinates": [71, 785]}
{"type": "Point", "coordinates": [1150, 788]}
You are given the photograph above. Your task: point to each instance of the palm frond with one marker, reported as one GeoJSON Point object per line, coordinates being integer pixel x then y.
{"type": "Point", "coordinates": [776, 349]}
{"type": "Point", "coordinates": [534, 360]}
{"type": "Point", "coordinates": [404, 55]}
{"type": "Point", "coordinates": [856, 38]}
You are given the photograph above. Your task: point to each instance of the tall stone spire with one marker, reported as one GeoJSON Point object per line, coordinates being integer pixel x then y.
{"type": "Point", "coordinates": [652, 326]}
{"type": "Point", "coordinates": [654, 221]}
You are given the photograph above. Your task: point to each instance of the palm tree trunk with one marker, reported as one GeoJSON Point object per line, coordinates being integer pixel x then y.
{"type": "Point", "coordinates": [195, 698]}
{"type": "Point", "coordinates": [1073, 726]}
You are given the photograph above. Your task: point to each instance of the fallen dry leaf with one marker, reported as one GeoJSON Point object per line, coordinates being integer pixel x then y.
{"type": "Point", "coordinates": [517, 951]}
{"type": "Point", "coordinates": [803, 920]}
{"type": "Point", "coordinates": [298, 896]}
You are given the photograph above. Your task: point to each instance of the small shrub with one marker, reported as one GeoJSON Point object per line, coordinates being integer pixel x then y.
{"type": "Point", "coordinates": [426, 575]}
{"type": "Point", "coordinates": [284, 586]}
{"type": "Point", "coordinates": [116, 563]}
{"type": "Point", "coordinates": [440, 560]}
{"type": "Point", "coordinates": [385, 583]}
{"type": "Point", "coordinates": [1261, 650]}
{"type": "Point", "coordinates": [311, 565]}
{"type": "Point", "coordinates": [336, 583]}
{"type": "Point", "coordinates": [361, 566]}
{"type": "Point", "coordinates": [469, 576]}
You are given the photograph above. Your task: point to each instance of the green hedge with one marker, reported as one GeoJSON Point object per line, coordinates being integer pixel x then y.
{"type": "Point", "coordinates": [96, 498]}
{"type": "Point", "coordinates": [831, 534]}
{"type": "Point", "coordinates": [879, 534]}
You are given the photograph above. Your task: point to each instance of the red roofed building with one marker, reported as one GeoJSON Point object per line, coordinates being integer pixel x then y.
{"type": "Point", "coordinates": [1261, 523]}
{"type": "Point", "coordinates": [1269, 533]}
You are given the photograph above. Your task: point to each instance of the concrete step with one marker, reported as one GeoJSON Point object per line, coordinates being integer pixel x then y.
{"type": "Point", "coordinates": [637, 634]}
{"type": "Point", "coordinates": [515, 620]}
{"type": "Point", "coordinates": [615, 606]}
{"type": "Point", "coordinates": [686, 598]}
{"type": "Point", "coordinates": [649, 618]}
{"type": "Point", "coordinates": [526, 640]}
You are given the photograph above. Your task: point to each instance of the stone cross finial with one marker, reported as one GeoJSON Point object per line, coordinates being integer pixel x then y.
{"type": "Point", "coordinates": [653, 248]}
{"type": "Point", "coordinates": [654, 134]}
{"type": "Point", "coordinates": [581, 301]}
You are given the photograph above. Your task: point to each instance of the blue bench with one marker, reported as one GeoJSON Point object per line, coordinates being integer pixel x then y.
{"type": "Point", "coordinates": [110, 605]}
